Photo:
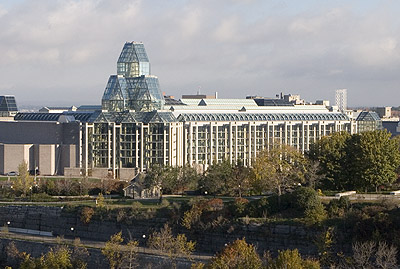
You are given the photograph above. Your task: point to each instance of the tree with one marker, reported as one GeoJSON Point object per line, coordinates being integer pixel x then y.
{"type": "Point", "coordinates": [130, 255]}
{"type": "Point", "coordinates": [58, 258]}
{"type": "Point", "coordinates": [239, 183]}
{"type": "Point", "coordinates": [24, 182]}
{"type": "Point", "coordinates": [216, 177]}
{"type": "Point", "coordinates": [330, 152]}
{"type": "Point", "coordinates": [113, 251]}
{"type": "Point", "coordinates": [86, 214]}
{"type": "Point", "coordinates": [360, 161]}
{"type": "Point", "coordinates": [313, 173]}
{"type": "Point", "coordinates": [14, 256]}
{"type": "Point", "coordinates": [79, 255]}
{"type": "Point", "coordinates": [278, 169]}
{"type": "Point", "coordinates": [100, 200]}
{"type": "Point", "coordinates": [118, 255]}
{"type": "Point", "coordinates": [373, 159]}
{"type": "Point", "coordinates": [174, 246]}
{"type": "Point", "coordinates": [371, 255]}
{"type": "Point", "coordinates": [188, 178]}
{"type": "Point", "coordinates": [174, 180]}
{"type": "Point", "coordinates": [154, 176]}
{"type": "Point", "coordinates": [238, 254]}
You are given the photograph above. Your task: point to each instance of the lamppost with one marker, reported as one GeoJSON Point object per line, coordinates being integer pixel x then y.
{"type": "Point", "coordinates": [144, 242]}
{"type": "Point", "coordinates": [6, 228]}
{"type": "Point", "coordinates": [240, 191]}
{"type": "Point", "coordinates": [72, 231]}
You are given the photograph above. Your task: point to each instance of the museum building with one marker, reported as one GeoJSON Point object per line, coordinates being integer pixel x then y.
{"type": "Point", "coordinates": [137, 127]}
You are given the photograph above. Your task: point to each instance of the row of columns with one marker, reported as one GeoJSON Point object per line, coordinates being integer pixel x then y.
{"type": "Point", "coordinates": [191, 147]}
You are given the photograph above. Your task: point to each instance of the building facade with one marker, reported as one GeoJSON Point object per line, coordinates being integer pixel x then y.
{"type": "Point", "coordinates": [137, 127]}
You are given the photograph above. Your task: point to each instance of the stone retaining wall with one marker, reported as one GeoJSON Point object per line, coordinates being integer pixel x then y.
{"type": "Point", "coordinates": [54, 219]}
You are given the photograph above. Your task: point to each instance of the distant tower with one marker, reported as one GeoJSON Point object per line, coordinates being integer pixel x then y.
{"type": "Point", "coordinates": [341, 99]}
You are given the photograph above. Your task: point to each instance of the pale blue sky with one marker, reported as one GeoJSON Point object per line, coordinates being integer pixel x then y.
{"type": "Point", "coordinates": [61, 52]}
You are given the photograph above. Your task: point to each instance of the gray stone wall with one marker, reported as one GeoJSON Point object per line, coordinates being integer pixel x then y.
{"type": "Point", "coordinates": [54, 219]}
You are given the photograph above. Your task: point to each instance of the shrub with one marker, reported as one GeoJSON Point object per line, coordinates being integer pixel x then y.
{"type": "Point", "coordinates": [315, 214]}
{"type": "Point", "coordinates": [308, 202]}
{"type": "Point", "coordinates": [100, 200]}
{"type": "Point", "coordinates": [238, 207]}
{"type": "Point", "coordinates": [191, 216]}
{"type": "Point", "coordinates": [258, 208]}
{"type": "Point", "coordinates": [214, 204]}
{"type": "Point", "coordinates": [121, 215]}
{"type": "Point", "coordinates": [86, 214]}
{"type": "Point", "coordinates": [41, 197]}
{"type": "Point", "coordinates": [164, 203]}
{"type": "Point", "coordinates": [304, 198]}
{"type": "Point", "coordinates": [291, 259]}
{"type": "Point", "coordinates": [338, 208]}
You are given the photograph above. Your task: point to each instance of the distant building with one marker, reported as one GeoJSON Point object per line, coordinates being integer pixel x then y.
{"type": "Point", "coordinates": [368, 121]}
{"type": "Point", "coordinates": [323, 102]}
{"type": "Point", "coordinates": [392, 126]}
{"type": "Point", "coordinates": [58, 109]}
{"type": "Point", "coordinates": [137, 189]}
{"type": "Point", "coordinates": [341, 99]}
{"type": "Point", "coordinates": [8, 106]}
{"type": "Point", "coordinates": [199, 96]}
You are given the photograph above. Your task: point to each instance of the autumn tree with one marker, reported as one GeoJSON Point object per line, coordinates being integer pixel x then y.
{"type": "Point", "coordinates": [24, 182]}
{"type": "Point", "coordinates": [113, 251]}
{"type": "Point", "coordinates": [238, 254]}
{"type": "Point", "coordinates": [278, 169]}
{"type": "Point", "coordinates": [59, 257]}
{"type": "Point", "coordinates": [174, 246]}
{"type": "Point", "coordinates": [119, 255]}
{"type": "Point", "coordinates": [291, 259]}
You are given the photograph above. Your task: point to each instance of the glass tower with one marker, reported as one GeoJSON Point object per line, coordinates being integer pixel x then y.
{"type": "Point", "coordinates": [133, 88]}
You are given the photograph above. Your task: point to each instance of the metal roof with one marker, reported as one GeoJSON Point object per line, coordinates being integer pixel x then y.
{"type": "Point", "coordinates": [368, 116]}
{"type": "Point", "coordinates": [131, 117]}
{"type": "Point", "coordinates": [89, 107]}
{"type": "Point", "coordinates": [219, 102]}
{"type": "Point", "coordinates": [261, 117]}
{"type": "Point", "coordinates": [78, 116]}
